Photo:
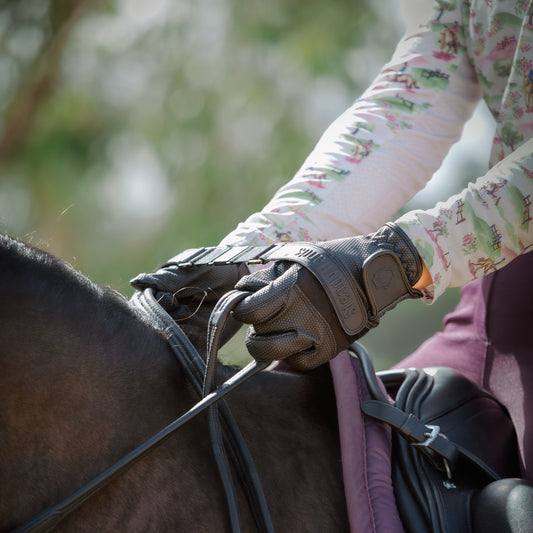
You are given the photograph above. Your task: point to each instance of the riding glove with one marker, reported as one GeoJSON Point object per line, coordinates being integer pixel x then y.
{"type": "Point", "coordinates": [189, 293]}
{"type": "Point", "coordinates": [319, 297]}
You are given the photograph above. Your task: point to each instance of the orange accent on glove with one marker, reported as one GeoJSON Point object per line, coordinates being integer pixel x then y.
{"type": "Point", "coordinates": [425, 278]}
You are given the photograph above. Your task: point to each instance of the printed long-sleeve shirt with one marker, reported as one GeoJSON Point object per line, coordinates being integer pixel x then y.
{"type": "Point", "coordinates": [388, 144]}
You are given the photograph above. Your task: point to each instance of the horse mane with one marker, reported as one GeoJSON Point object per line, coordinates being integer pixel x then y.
{"type": "Point", "coordinates": [26, 267]}
{"type": "Point", "coordinates": [36, 279]}
{"type": "Point", "coordinates": [51, 312]}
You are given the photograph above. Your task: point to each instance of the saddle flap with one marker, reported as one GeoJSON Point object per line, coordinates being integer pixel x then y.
{"type": "Point", "coordinates": [465, 413]}
{"type": "Point", "coordinates": [470, 418]}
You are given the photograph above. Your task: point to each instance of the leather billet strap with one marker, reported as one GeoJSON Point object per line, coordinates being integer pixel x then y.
{"type": "Point", "coordinates": [443, 453]}
{"type": "Point", "coordinates": [349, 301]}
{"type": "Point", "coordinates": [428, 438]}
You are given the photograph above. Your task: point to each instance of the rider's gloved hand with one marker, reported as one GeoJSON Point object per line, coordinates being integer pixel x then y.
{"type": "Point", "coordinates": [189, 293]}
{"type": "Point", "coordinates": [319, 298]}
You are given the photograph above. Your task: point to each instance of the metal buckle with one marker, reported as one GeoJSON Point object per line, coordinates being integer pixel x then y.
{"type": "Point", "coordinates": [430, 436]}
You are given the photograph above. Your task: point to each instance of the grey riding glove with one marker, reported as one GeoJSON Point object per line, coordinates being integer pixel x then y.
{"type": "Point", "coordinates": [320, 297]}
{"type": "Point", "coordinates": [189, 293]}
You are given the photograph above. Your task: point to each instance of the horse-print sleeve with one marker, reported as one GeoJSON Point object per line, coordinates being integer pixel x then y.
{"type": "Point", "coordinates": [384, 148]}
{"type": "Point", "coordinates": [479, 230]}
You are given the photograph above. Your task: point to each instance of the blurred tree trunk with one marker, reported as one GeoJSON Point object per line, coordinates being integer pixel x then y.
{"type": "Point", "coordinates": [39, 78]}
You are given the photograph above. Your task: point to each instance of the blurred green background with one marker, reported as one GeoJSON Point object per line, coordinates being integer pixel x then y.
{"type": "Point", "coordinates": [131, 130]}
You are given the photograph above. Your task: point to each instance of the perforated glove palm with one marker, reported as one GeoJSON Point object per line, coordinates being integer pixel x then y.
{"type": "Point", "coordinates": [318, 298]}
{"type": "Point", "coordinates": [189, 294]}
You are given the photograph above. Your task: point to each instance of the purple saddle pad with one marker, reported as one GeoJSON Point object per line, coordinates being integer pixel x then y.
{"type": "Point", "coordinates": [366, 454]}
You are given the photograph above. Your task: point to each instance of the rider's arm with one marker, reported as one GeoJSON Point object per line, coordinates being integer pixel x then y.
{"type": "Point", "coordinates": [382, 150]}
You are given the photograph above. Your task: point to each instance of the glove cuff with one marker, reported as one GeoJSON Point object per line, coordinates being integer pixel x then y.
{"type": "Point", "coordinates": [393, 238]}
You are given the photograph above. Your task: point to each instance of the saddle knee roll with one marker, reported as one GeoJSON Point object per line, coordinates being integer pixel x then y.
{"type": "Point", "coordinates": [503, 506]}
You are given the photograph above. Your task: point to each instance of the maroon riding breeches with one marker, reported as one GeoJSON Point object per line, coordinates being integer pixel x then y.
{"type": "Point", "coordinates": [489, 338]}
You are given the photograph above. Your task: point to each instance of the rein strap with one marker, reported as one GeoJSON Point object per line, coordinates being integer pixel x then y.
{"type": "Point", "coordinates": [49, 518]}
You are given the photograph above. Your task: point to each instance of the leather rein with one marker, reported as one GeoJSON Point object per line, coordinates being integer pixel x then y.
{"type": "Point", "coordinates": [226, 438]}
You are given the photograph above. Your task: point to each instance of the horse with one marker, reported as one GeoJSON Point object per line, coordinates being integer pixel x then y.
{"type": "Point", "coordinates": [86, 378]}
{"type": "Point", "coordinates": [408, 80]}
{"type": "Point", "coordinates": [449, 41]}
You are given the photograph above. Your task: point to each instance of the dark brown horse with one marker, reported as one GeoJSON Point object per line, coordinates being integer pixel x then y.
{"type": "Point", "coordinates": [85, 379]}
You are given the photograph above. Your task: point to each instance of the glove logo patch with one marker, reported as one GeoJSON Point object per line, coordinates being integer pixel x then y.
{"type": "Point", "coordinates": [383, 278]}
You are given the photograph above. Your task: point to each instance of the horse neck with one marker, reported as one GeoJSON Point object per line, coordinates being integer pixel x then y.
{"type": "Point", "coordinates": [84, 380]}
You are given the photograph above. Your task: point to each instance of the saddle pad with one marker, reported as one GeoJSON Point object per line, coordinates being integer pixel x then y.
{"type": "Point", "coordinates": [366, 454]}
